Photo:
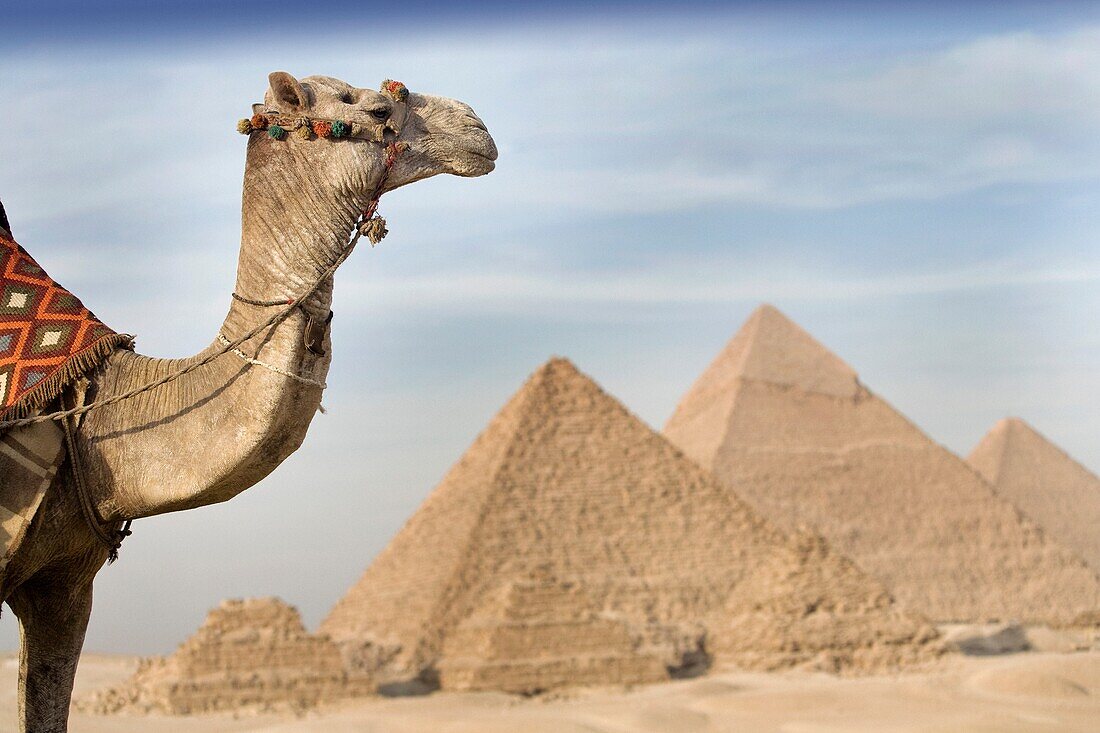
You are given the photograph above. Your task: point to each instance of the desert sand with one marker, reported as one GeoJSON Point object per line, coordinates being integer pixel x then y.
{"type": "Point", "coordinates": [1041, 692]}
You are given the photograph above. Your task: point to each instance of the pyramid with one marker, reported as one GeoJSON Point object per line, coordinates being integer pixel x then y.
{"type": "Point", "coordinates": [1045, 483]}
{"type": "Point", "coordinates": [538, 634]}
{"type": "Point", "coordinates": [563, 481]}
{"type": "Point", "coordinates": [789, 427]}
{"type": "Point", "coordinates": [248, 653]}
{"type": "Point", "coordinates": [811, 608]}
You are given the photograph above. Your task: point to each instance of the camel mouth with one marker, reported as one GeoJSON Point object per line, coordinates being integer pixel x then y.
{"type": "Point", "coordinates": [476, 154]}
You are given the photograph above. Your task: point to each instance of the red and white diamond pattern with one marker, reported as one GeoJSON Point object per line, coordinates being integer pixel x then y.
{"type": "Point", "coordinates": [42, 325]}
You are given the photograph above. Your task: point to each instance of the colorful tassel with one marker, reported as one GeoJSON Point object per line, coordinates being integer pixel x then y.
{"type": "Point", "coordinates": [321, 128]}
{"type": "Point", "coordinates": [244, 127]}
{"type": "Point", "coordinates": [303, 133]}
{"type": "Point", "coordinates": [339, 128]}
{"type": "Point", "coordinates": [258, 122]}
{"type": "Point", "coordinates": [397, 91]}
{"type": "Point", "coordinates": [276, 133]}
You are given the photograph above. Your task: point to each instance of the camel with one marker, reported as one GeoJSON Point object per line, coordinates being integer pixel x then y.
{"type": "Point", "coordinates": [218, 430]}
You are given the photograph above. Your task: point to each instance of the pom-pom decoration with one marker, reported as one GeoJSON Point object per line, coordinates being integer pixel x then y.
{"type": "Point", "coordinates": [303, 133]}
{"type": "Point", "coordinates": [396, 90]}
{"type": "Point", "coordinates": [275, 132]}
{"type": "Point", "coordinates": [244, 127]}
{"type": "Point", "coordinates": [258, 122]}
{"type": "Point", "coordinates": [340, 128]}
{"type": "Point", "coordinates": [322, 128]}
{"type": "Point", "coordinates": [374, 229]}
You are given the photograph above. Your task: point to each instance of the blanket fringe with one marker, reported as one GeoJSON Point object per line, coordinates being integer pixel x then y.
{"type": "Point", "coordinates": [77, 366]}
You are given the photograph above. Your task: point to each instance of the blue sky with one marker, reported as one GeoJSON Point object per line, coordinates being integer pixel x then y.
{"type": "Point", "coordinates": [915, 184]}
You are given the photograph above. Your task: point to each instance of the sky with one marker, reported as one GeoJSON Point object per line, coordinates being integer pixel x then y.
{"type": "Point", "coordinates": [915, 184]}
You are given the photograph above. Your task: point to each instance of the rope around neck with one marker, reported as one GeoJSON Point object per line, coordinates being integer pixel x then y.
{"type": "Point", "coordinates": [272, 368]}
{"type": "Point", "coordinates": [279, 317]}
{"type": "Point", "coordinates": [363, 226]}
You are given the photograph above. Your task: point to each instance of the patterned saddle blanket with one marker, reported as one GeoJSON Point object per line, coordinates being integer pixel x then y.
{"type": "Point", "coordinates": [48, 339]}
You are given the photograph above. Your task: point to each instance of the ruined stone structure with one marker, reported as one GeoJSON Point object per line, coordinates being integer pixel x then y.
{"type": "Point", "coordinates": [536, 634]}
{"type": "Point", "coordinates": [789, 427]}
{"type": "Point", "coordinates": [566, 482]}
{"type": "Point", "coordinates": [1045, 483]}
{"type": "Point", "coordinates": [808, 606]}
{"type": "Point", "coordinates": [248, 653]}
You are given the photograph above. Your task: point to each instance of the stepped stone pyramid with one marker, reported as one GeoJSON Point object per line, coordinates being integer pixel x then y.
{"type": "Point", "coordinates": [565, 481]}
{"type": "Point", "coordinates": [809, 602]}
{"type": "Point", "coordinates": [248, 653]}
{"type": "Point", "coordinates": [1046, 484]}
{"type": "Point", "coordinates": [789, 427]}
{"type": "Point", "coordinates": [537, 634]}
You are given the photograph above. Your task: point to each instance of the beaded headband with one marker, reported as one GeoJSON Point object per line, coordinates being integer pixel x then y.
{"type": "Point", "coordinates": [279, 126]}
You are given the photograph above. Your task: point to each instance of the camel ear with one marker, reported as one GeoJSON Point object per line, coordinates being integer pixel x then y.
{"type": "Point", "coordinates": [287, 91]}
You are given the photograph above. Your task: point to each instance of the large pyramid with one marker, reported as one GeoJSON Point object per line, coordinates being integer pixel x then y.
{"type": "Point", "coordinates": [1045, 483]}
{"type": "Point", "coordinates": [789, 427]}
{"type": "Point", "coordinates": [567, 483]}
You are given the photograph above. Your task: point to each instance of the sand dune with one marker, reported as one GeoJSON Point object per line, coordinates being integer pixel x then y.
{"type": "Point", "coordinates": [1014, 694]}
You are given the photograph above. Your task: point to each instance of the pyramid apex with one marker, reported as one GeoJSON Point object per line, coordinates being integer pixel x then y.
{"type": "Point", "coordinates": [559, 372]}
{"type": "Point", "coordinates": [1008, 435]}
{"type": "Point", "coordinates": [770, 347]}
{"type": "Point", "coordinates": [766, 309]}
{"type": "Point", "coordinates": [558, 364]}
{"type": "Point", "coordinates": [1018, 423]}
{"type": "Point", "coordinates": [1014, 426]}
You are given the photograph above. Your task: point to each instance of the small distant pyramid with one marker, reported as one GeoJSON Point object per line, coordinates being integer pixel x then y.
{"type": "Point", "coordinates": [1045, 483]}
{"type": "Point", "coordinates": [538, 634]}
{"type": "Point", "coordinates": [252, 653]}
{"type": "Point", "coordinates": [790, 427]}
{"type": "Point", "coordinates": [564, 481]}
{"type": "Point", "coordinates": [812, 608]}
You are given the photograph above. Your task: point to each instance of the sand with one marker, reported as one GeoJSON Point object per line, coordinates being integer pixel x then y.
{"type": "Point", "coordinates": [1005, 694]}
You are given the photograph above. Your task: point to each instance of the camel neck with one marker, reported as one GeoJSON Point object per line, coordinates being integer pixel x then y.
{"type": "Point", "coordinates": [292, 229]}
{"type": "Point", "coordinates": [253, 409]}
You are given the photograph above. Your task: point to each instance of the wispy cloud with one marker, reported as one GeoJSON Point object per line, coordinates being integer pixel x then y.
{"type": "Point", "coordinates": [927, 208]}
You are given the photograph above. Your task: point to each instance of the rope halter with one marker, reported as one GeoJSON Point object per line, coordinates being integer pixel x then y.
{"type": "Point", "coordinates": [281, 126]}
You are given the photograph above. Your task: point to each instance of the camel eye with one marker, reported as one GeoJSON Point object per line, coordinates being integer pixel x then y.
{"type": "Point", "coordinates": [380, 114]}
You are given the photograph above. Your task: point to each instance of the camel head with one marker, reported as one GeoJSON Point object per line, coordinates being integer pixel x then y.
{"type": "Point", "coordinates": [438, 135]}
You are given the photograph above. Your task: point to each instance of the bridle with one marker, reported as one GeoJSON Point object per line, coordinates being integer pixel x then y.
{"type": "Point", "coordinates": [281, 126]}
{"type": "Point", "coordinates": [369, 224]}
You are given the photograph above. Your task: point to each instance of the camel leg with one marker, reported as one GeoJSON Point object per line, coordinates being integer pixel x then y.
{"type": "Point", "coordinates": [53, 617]}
